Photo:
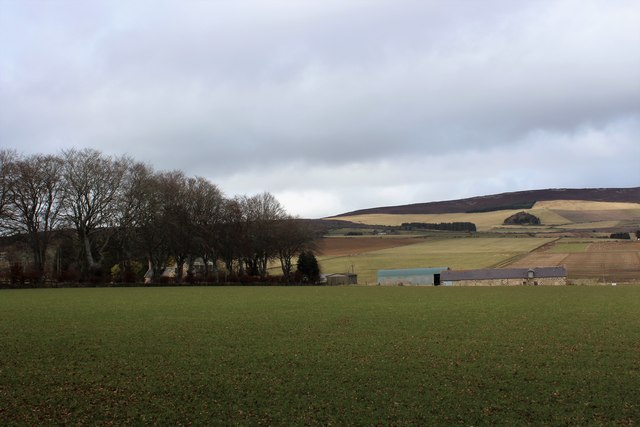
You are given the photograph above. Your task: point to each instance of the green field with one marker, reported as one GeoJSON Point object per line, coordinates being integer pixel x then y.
{"type": "Point", "coordinates": [320, 356]}
{"type": "Point", "coordinates": [456, 253]}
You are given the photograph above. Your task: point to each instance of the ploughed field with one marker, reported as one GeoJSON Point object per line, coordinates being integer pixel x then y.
{"type": "Point", "coordinates": [344, 246]}
{"type": "Point", "coordinates": [612, 261]}
{"type": "Point", "coordinates": [320, 356]}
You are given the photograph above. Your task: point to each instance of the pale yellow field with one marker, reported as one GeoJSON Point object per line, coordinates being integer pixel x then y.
{"type": "Point", "coordinates": [550, 214]}
{"type": "Point", "coordinates": [458, 253]}
{"type": "Point", "coordinates": [582, 205]}
{"type": "Point", "coordinates": [594, 225]}
{"type": "Point", "coordinates": [484, 221]}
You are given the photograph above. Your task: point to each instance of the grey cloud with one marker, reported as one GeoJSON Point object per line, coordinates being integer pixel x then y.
{"type": "Point", "coordinates": [245, 89]}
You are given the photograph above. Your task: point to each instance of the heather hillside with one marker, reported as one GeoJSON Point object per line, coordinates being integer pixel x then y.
{"type": "Point", "coordinates": [507, 201]}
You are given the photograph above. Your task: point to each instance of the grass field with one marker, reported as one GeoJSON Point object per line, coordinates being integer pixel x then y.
{"type": "Point", "coordinates": [457, 253]}
{"type": "Point", "coordinates": [320, 356]}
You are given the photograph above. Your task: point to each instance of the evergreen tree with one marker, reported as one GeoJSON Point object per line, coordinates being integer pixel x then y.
{"type": "Point", "coordinates": [308, 267]}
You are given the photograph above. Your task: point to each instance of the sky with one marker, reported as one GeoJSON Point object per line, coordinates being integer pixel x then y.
{"type": "Point", "coordinates": [333, 105]}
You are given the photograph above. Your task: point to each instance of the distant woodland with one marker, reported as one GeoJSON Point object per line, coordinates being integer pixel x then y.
{"type": "Point", "coordinates": [622, 236]}
{"type": "Point", "coordinates": [443, 226]}
{"type": "Point", "coordinates": [85, 216]}
{"type": "Point", "coordinates": [522, 218]}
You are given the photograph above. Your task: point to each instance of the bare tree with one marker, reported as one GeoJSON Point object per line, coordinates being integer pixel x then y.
{"type": "Point", "coordinates": [231, 235]}
{"type": "Point", "coordinates": [166, 229]}
{"type": "Point", "coordinates": [261, 213]}
{"type": "Point", "coordinates": [205, 205]}
{"type": "Point", "coordinates": [93, 187]}
{"type": "Point", "coordinates": [293, 236]}
{"type": "Point", "coordinates": [135, 209]}
{"type": "Point", "coordinates": [150, 224]}
{"type": "Point", "coordinates": [7, 160]}
{"type": "Point", "coordinates": [176, 218]}
{"type": "Point", "coordinates": [120, 210]}
{"type": "Point", "coordinates": [35, 191]}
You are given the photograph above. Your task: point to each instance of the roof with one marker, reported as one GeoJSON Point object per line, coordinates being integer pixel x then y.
{"type": "Point", "coordinates": [340, 275]}
{"type": "Point", "coordinates": [503, 273]}
{"type": "Point", "coordinates": [403, 272]}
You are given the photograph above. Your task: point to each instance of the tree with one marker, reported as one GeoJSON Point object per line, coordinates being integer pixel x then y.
{"type": "Point", "coordinates": [522, 218]}
{"type": "Point", "coordinates": [205, 204]}
{"type": "Point", "coordinates": [35, 192]}
{"type": "Point", "coordinates": [293, 236]}
{"type": "Point", "coordinates": [135, 209]}
{"type": "Point", "coordinates": [7, 160]}
{"type": "Point", "coordinates": [260, 213]}
{"type": "Point", "coordinates": [93, 189]}
{"type": "Point", "coordinates": [231, 235]}
{"type": "Point", "coordinates": [622, 236]}
{"type": "Point", "coordinates": [151, 222]}
{"type": "Point", "coordinates": [177, 221]}
{"type": "Point", "coordinates": [308, 267]}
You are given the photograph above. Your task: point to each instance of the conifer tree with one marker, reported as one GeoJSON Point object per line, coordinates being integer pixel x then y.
{"type": "Point", "coordinates": [308, 267]}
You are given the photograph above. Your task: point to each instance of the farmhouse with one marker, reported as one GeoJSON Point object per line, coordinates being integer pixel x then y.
{"type": "Point", "coordinates": [411, 276]}
{"type": "Point", "coordinates": [506, 277]}
{"type": "Point", "coordinates": [169, 272]}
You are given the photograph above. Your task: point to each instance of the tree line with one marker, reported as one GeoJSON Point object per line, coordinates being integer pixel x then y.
{"type": "Point", "coordinates": [621, 236]}
{"type": "Point", "coordinates": [443, 226]}
{"type": "Point", "coordinates": [93, 214]}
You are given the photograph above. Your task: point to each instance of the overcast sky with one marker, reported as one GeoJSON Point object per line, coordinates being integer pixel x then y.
{"type": "Point", "coordinates": [333, 105]}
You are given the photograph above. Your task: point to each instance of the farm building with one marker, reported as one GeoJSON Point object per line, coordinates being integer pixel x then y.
{"type": "Point", "coordinates": [506, 277]}
{"type": "Point", "coordinates": [410, 276]}
{"type": "Point", "coordinates": [169, 272]}
{"type": "Point", "coordinates": [336, 279]}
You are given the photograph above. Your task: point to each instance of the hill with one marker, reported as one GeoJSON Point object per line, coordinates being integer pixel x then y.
{"type": "Point", "coordinates": [506, 201]}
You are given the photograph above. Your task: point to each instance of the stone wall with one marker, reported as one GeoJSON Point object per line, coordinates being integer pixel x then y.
{"type": "Point", "coordinates": [542, 281]}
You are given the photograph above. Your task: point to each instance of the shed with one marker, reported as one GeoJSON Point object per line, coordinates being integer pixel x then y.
{"type": "Point", "coordinates": [506, 277]}
{"type": "Point", "coordinates": [337, 279]}
{"type": "Point", "coordinates": [411, 276]}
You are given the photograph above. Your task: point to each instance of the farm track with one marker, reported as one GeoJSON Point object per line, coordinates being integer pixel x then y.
{"type": "Point", "coordinates": [512, 261]}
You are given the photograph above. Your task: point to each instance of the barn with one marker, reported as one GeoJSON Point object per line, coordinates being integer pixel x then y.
{"type": "Point", "coordinates": [411, 276]}
{"type": "Point", "coordinates": [553, 276]}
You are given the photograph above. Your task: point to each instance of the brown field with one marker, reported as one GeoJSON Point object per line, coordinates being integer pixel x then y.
{"type": "Point", "coordinates": [597, 216]}
{"type": "Point", "coordinates": [344, 246]}
{"type": "Point", "coordinates": [613, 261]}
{"type": "Point", "coordinates": [540, 259]}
